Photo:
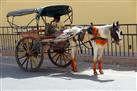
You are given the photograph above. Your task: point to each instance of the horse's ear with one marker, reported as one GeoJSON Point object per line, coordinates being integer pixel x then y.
{"type": "Point", "coordinates": [117, 23]}
{"type": "Point", "coordinates": [91, 23]}
{"type": "Point", "coordinates": [113, 24]}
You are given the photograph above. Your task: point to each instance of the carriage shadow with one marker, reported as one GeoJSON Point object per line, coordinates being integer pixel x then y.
{"type": "Point", "coordinates": [53, 72]}
{"type": "Point", "coordinates": [11, 70]}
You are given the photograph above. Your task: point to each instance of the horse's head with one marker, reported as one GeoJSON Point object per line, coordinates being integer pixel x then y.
{"type": "Point", "coordinates": [116, 33]}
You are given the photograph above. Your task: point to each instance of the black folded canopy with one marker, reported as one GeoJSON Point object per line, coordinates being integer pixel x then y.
{"type": "Point", "coordinates": [50, 11]}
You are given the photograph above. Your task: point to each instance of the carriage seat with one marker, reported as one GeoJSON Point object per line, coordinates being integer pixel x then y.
{"type": "Point", "coordinates": [51, 30]}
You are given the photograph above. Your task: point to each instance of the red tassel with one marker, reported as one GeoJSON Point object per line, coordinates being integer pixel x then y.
{"type": "Point", "coordinates": [94, 68]}
{"type": "Point", "coordinates": [74, 65]}
{"type": "Point", "coordinates": [100, 65]}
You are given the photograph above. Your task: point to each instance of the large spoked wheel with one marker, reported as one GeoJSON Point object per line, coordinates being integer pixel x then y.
{"type": "Point", "coordinates": [60, 57]}
{"type": "Point", "coordinates": [29, 54]}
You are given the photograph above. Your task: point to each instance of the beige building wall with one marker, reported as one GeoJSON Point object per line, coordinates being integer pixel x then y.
{"type": "Point", "coordinates": [85, 11]}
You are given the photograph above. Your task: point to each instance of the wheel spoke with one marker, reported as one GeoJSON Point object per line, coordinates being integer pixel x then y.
{"type": "Point", "coordinates": [24, 47]}
{"type": "Point", "coordinates": [55, 55]}
{"type": "Point", "coordinates": [22, 57]}
{"type": "Point", "coordinates": [27, 64]}
{"type": "Point", "coordinates": [27, 44]}
{"type": "Point", "coordinates": [60, 59]}
{"type": "Point", "coordinates": [57, 58]}
{"type": "Point", "coordinates": [24, 61]}
{"type": "Point", "coordinates": [31, 65]}
{"type": "Point", "coordinates": [64, 59]}
{"type": "Point", "coordinates": [35, 50]}
{"type": "Point", "coordinates": [67, 57]}
{"type": "Point", "coordinates": [35, 47]}
{"type": "Point", "coordinates": [34, 61]}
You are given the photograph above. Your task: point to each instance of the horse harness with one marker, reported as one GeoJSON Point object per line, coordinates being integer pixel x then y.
{"type": "Point", "coordinates": [92, 31]}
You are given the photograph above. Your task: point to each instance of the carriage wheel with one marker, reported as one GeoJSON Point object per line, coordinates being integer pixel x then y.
{"type": "Point", "coordinates": [29, 54]}
{"type": "Point", "coordinates": [60, 57]}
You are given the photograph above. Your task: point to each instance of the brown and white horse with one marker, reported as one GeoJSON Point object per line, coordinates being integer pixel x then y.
{"type": "Point", "coordinates": [100, 35]}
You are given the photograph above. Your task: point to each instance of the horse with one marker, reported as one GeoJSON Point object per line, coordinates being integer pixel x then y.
{"type": "Point", "coordinates": [100, 34]}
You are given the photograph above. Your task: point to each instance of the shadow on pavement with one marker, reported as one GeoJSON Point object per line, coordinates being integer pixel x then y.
{"type": "Point", "coordinates": [55, 72]}
{"type": "Point", "coordinates": [9, 68]}
{"type": "Point", "coordinates": [69, 76]}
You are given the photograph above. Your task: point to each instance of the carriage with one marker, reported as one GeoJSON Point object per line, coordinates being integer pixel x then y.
{"type": "Point", "coordinates": [36, 41]}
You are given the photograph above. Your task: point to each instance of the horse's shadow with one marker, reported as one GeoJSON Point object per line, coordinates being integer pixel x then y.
{"type": "Point", "coordinates": [70, 76]}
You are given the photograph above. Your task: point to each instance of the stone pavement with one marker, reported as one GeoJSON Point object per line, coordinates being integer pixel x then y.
{"type": "Point", "coordinates": [50, 77]}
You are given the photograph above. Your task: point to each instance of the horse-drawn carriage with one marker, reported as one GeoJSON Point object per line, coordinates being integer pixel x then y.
{"type": "Point", "coordinates": [35, 42]}
{"type": "Point", "coordinates": [61, 48]}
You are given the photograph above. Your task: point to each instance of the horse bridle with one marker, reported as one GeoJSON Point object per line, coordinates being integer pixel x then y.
{"type": "Point", "coordinates": [114, 35]}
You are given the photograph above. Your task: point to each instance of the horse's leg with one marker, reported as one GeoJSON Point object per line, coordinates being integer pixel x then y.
{"type": "Point", "coordinates": [100, 64]}
{"type": "Point", "coordinates": [100, 61]}
{"type": "Point", "coordinates": [73, 57]}
{"type": "Point", "coordinates": [95, 50]}
{"type": "Point", "coordinates": [94, 68]}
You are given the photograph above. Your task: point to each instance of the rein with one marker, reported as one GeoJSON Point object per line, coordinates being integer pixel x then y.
{"type": "Point", "coordinates": [89, 41]}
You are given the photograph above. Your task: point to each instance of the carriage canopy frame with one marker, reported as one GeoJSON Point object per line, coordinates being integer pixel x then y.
{"type": "Point", "coordinates": [49, 11]}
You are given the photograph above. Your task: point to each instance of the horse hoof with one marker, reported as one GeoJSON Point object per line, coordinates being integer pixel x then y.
{"type": "Point", "coordinates": [74, 70]}
{"type": "Point", "coordinates": [95, 73]}
{"type": "Point", "coordinates": [101, 72]}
